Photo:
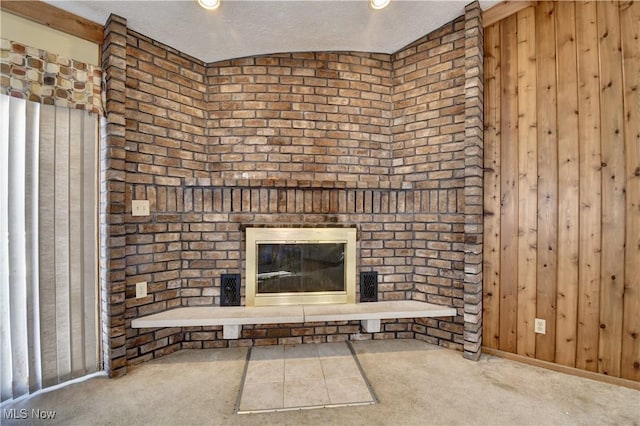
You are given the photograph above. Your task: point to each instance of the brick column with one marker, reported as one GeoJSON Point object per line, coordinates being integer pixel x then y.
{"type": "Point", "coordinates": [112, 200]}
{"type": "Point", "coordinates": [473, 181]}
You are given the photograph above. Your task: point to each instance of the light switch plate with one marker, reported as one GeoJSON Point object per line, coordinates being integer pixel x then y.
{"type": "Point", "coordinates": [140, 207]}
{"type": "Point", "coordinates": [141, 290]}
{"type": "Point", "coordinates": [540, 326]}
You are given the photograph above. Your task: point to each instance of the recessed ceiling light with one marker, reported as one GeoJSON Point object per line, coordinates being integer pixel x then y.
{"type": "Point", "coordinates": [379, 4]}
{"type": "Point", "coordinates": [210, 4]}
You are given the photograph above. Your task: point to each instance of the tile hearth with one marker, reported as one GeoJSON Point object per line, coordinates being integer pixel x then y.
{"type": "Point", "coordinates": [294, 377]}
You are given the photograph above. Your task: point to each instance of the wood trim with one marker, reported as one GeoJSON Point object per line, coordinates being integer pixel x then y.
{"type": "Point", "coordinates": [55, 18]}
{"type": "Point", "coordinates": [504, 10]}
{"type": "Point", "coordinates": [562, 368]}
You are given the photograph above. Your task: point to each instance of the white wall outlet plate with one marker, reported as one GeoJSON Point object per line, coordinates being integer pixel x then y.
{"type": "Point", "coordinates": [540, 326]}
{"type": "Point", "coordinates": [141, 290]}
{"type": "Point", "coordinates": [140, 207]}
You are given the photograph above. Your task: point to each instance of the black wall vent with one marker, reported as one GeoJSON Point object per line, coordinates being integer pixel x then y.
{"type": "Point", "coordinates": [369, 286]}
{"type": "Point", "coordinates": [230, 290]}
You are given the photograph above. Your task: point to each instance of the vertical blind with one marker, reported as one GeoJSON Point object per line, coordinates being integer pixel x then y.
{"type": "Point", "coordinates": [48, 267]}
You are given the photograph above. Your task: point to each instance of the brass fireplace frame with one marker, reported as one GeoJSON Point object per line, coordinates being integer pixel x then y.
{"type": "Point", "coordinates": [255, 236]}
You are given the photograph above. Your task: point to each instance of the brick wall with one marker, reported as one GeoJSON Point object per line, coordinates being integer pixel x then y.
{"type": "Point", "coordinates": [301, 116]}
{"type": "Point", "coordinates": [428, 142]}
{"type": "Point", "coordinates": [288, 334]}
{"type": "Point", "coordinates": [353, 139]}
{"type": "Point", "coordinates": [473, 180]}
{"type": "Point", "coordinates": [165, 144]}
{"type": "Point", "coordinates": [204, 221]}
{"type": "Point", "coordinates": [112, 205]}
{"type": "Point", "coordinates": [428, 109]}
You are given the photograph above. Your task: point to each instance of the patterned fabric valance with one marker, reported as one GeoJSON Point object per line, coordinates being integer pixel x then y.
{"type": "Point", "coordinates": [50, 79]}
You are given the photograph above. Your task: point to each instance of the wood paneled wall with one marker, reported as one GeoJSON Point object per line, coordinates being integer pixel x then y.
{"type": "Point", "coordinates": [562, 185]}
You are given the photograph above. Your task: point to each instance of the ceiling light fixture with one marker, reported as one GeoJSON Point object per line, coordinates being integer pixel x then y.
{"type": "Point", "coordinates": [379, 4]}
{"type": "Point", "coordinates": [211, 4]}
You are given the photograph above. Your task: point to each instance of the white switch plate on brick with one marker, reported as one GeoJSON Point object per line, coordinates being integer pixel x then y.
{"type": "Point", "coordinates": [141, 290]}
{"type": "Point", "coordinates": [140, 207]}
{"type": "Point", "coordinates": [540, 326]}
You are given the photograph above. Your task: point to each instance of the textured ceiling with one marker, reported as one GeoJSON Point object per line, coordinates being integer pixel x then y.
{"type": "Point", "coordinates": [242, 28]}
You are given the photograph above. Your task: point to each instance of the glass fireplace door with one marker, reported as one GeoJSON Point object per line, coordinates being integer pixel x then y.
{"type": "Point", "coordinates": [300, 265]}
{"type": "Point", "coordinates": [295, 268]}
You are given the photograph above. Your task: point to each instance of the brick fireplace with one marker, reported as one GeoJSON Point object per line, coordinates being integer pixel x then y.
{"type": "Point", "coordinates": [390, 144]}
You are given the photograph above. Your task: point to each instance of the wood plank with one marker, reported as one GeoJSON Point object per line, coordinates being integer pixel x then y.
{"type": "Point", "coordinates": [527, 181]}
{"type": "Point", "coordinates": [590, 186]}
{"type": "Point", "coordinates": [55, 18]}
{"type": "Point", "coordinates": [508, 185]}
{"type": "Point", "coordinates": [562, 368]}
{"type": "Point", "coordinates": [630, 34]}
{"type": "Point", "coordinates": [613, 182]}
{"type": "Point", "coordinates": [503, 10]}
{"type": "Point", "coordinates": [491, 247]}
{"type": "Point", "coordinates": [568, 185]}
{"type": "Point", "coordinates": [546, 288]}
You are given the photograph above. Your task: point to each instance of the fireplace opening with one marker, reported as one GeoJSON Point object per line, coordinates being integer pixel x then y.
{"type": "Point", "coordinates": [288, 266]}
{"type": "Point", "coordinates": [285, 268]}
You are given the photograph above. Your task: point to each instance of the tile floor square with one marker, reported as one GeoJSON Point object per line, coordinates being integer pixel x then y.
{"type": "Point", "coordinates": [301, 351]}
{"type": "Point", "coordinates": [280, 378]}
{"type": "Point", "coordinates": [347, 390]}
{"type": "Point", "coordinates": [336, 367]}
{"type": "Point", "coordinates": [305, 393]}
{"type": "Point", "coordinates": [267, 371]}
{"type": "Point", "coordinates": [334, 350]}
{"type": "Point", "coordinates": [265, 353]}
{"type": "Point", "coordinates": [256, 396]}
{"type": "Point", "coordinates": [303, 369]}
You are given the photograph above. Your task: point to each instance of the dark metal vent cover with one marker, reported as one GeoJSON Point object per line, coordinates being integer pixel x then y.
{"type": "Point", "coordinates": [230, 290]}
{"type": "Point", "coordinates": [369, 286]}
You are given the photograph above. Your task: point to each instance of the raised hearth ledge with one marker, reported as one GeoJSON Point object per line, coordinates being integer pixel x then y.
{"type": "Point", "coordinates": [288, 183]}
{"type": "Point", "coordinates": [233, 317]}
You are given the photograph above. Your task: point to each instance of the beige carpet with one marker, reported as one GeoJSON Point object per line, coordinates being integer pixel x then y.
{"type": "Point", "coordinates": [414, 383]}
{"type": "Point", "coordinates": [294, 377]}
